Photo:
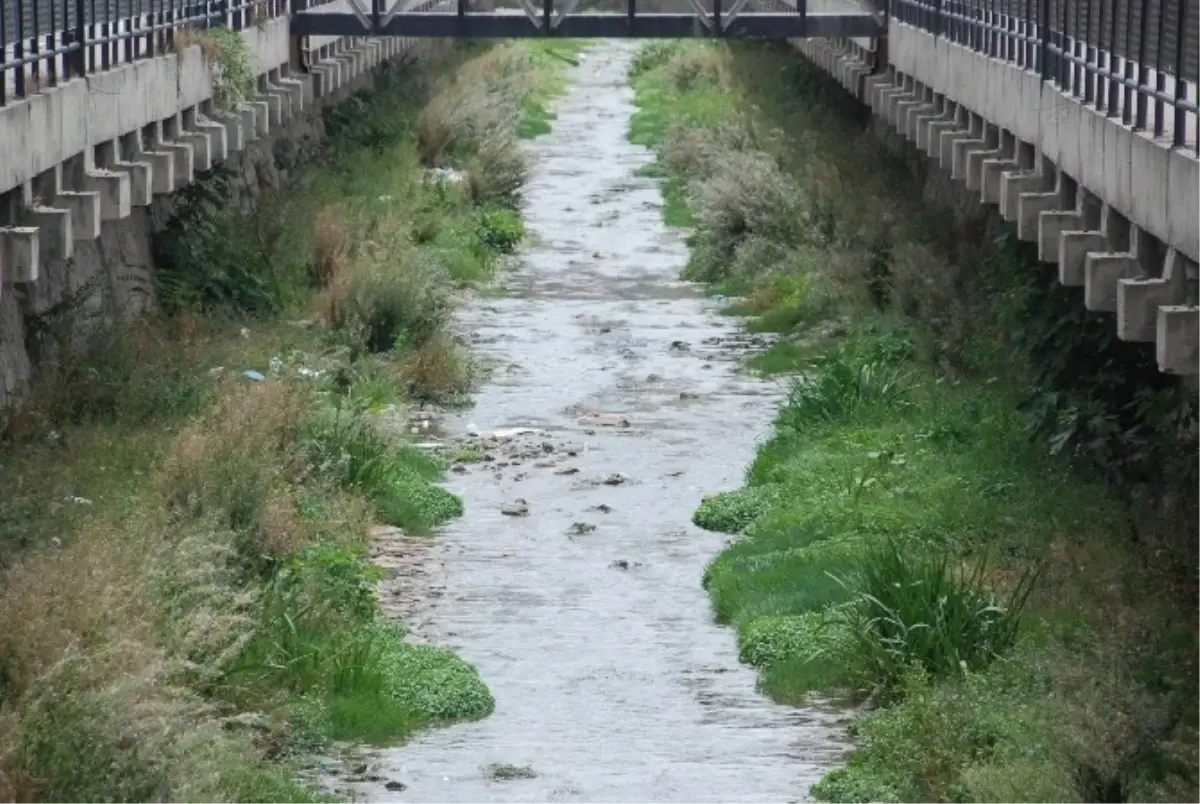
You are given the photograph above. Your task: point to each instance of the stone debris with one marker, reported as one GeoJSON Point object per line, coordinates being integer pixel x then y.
{"type": "Point", "coordinates": [517, 507]}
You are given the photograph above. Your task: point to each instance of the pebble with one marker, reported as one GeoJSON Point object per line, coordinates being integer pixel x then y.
{"type": "Point", "coordinates": [517, 507]}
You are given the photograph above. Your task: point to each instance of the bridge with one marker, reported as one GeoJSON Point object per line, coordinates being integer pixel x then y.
{"type": "Point", "coordinates": [733, 19]}
{"type": "Point", "coordinates": [1075, 120]}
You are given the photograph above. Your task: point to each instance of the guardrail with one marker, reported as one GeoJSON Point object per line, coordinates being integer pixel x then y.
{"type": "Point", "coordinates": [44, 42]}
{"type": "Point", "coordinates": [1134, 60]}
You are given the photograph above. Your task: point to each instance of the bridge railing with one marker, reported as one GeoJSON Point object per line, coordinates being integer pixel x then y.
{"type": "Point", "coordinates": [46, 42]}
{"type": "Point", "coordinates": [1134, 60]}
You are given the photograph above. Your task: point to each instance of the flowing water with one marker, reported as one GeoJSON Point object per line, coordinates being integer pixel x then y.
{"type": "Point", "coordinates": [623, 401]}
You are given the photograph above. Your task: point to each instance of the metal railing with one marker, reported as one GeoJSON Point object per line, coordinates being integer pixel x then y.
{"type": "Point", "coordinates": [1133, 60]}
{"type": "Point", "coordinates": [45, 42]}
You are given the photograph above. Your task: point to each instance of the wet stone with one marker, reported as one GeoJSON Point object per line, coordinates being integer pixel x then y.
{"type": "Point", "coordinates": [395, 787]}
{"type": "Point", "coordinates": [580, 528]}
{"type": "Point", "coordinates": [566, 470]}
{"type": "Point", "coordinates": [602, 508]}
{"type": "Point", "coordinates": [615, 479]}
{"type": "Point", "coordinates": [605, 420]}
{"type": "Point", "coordinates": [517, 507]}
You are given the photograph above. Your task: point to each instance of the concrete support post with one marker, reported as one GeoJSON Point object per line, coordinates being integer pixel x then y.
{"type": "Point", "coordinates": [19, 257]}
{"type": "Point", "coordinates": [83, 205]}
{"type": "Point", "coordinates": [1073, 250]}
{"type": "Point", "coordinates": [1012, 185]}
{"type": "Point", "coordinates": [162, 138]}
{"type": "Point", "coordinates": [1138, 300]}
{"type": "Point", "coordinates": [141, 174]}
{"type": "Point", "coordinates": [1177, 340]}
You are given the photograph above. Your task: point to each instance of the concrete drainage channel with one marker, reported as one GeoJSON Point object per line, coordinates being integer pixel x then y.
{"type": "Point", "coordinates": [573, 580]}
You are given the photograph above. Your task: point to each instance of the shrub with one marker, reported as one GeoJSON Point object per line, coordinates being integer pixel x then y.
{"type": "Point", "coordinates": [746, 195]}
{"type": "Point", "coordinates": [496, 172]}
{"type": "Point", "coordinates": [924, 612]}
{"type": "Point", "coordinates": [390, 297]}
{"type": "Point", "coordinates": [350, 451]}
{"type": "Point", "coordinates": [223, 468]}
{"type": "Point", "coordinates": [499, 230]}
{"type": "Point", "coordinates": [652, 56]}
{"type": "Point", "coordinates": [96, 369]}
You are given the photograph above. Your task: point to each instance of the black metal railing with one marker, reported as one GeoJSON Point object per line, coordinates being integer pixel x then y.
{"type": "Point", "coordinates": [1134, 60]}
{"type": "Point", "coordinates": [45, 42]}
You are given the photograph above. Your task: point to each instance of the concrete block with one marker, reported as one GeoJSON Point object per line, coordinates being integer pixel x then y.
{"type": "Point", "coordinates": [325, 79]}
{"type": "Point", "coordinates": [19, 257]}
{"type": "Point", "coordinates": [912, 120]}
{"type": "Point", "coordinates": [990, 172]}
{"type": "Point", "coordinates": [883, 100]}
{"type": "Point", "coordinates": [53, 224]}
{"type": "Point", "coordinates": [975, 160]}
{"type": "Point", "coordinates": [945, 151]}
{"type": "Point", "coordinates": [900, 109]}
{"type": "Point", "coordinates": [933, 136]}
{"type": "Point", "coordinates": [1030, 207]}
{"type": "Point", "coordinates": [218, 137]}
{"type": "Point", "coordinates": [1012, 185]}
{"type": "Point", "coordinates": [880, 87]}
{"type": "Point", "coordinates": [295, 90]}
{"type": "Point", "coordinates": [162, 171]}
{"type": "Point", "coordinates": [1102, 273]}
{"type": "Point", "coordinates": [923, 123]}
{"type": "Point", "coordinates": [1051, 226]}
{"type": "Point", "coordinates": [141, 181]}
{"type": "Point", "coordinates": [182, 160]}
{"type": "Point", "coordinates": [114, 189]}
{"type": "Point", "coordinates": [1073, 248]}
{"type": "Point", "coordinates": [234, 141]}
{"type": "Point", "coordinates": [963, 148]}
{"type": "Point", "coordinates": [1177, 340]}
{"type": "Point", "coordinates": [84, 207]}
{"type": "Point", "coordinates": [1183, 203]}
{"type": "Point", "coordinates": [276, 103]}
{"type": "Point", "coordinates": [1138, 300]}
{"type": "Point", "coordinates": [262, 116]}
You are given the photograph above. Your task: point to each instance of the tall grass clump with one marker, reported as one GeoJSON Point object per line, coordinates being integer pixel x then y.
{"type": "Point", "coordinates": [922, 611]}
{"type": "Point", "coordinates": [947, 403]}
{"type": "Point", "coordinates": [188, 608]}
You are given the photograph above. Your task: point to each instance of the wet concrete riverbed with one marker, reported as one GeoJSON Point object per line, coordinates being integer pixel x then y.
{"type": "Point", "coordinates": [573, 580]}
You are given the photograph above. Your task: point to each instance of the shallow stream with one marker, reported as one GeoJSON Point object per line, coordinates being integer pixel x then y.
{"type": "Point", "coordinates": [573, 580]}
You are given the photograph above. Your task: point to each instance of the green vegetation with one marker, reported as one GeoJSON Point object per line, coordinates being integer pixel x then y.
{"type": "Point", "coordinates": [943, 524]}
{"type": "Point", "coordinates": [187, 605]}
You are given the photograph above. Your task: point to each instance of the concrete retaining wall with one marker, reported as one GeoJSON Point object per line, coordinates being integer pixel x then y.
{"type": "Point", "coordinates": [1116, 210]}
{"type": "Point", "coordinates": [87, 168]}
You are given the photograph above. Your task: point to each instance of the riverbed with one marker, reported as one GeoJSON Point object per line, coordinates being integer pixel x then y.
{"type": "Point", "coordinates": [616, 401]}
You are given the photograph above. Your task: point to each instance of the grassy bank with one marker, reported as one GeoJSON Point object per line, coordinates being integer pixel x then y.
{"type": "Point", "coordinates": [942, 524]}
{"type": "Point", "coordinates": [187, 606]}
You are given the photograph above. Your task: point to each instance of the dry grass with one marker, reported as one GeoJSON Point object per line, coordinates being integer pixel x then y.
{"type": "Point", "coordinates": [437, 369]}
{"type": "Point", "coordinates": [329, 246]}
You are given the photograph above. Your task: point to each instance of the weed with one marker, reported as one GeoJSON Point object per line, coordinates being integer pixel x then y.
{"type": "Point", "coordinates": [924, 612]}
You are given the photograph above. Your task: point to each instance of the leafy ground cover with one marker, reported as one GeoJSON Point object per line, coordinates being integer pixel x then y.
{"type": "Point", "coordinates": [942, 524]}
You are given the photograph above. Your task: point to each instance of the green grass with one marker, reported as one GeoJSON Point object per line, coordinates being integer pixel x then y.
{"type": "Point", "coordinates": [901, 537]}
{"type": "Point", "coordinates": [552, 58]}
{"type": "Point", "coordinates": [218, 562]}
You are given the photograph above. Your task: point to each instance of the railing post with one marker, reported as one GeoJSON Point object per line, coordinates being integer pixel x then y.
{"type": "Point", "coordinates": [937, 18]}
{"type": "Point", "coordinates": [1044, 38]}
{"type": "Point", "coordinates": [80, 58]}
